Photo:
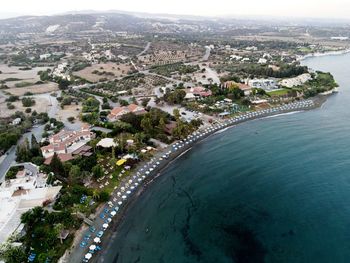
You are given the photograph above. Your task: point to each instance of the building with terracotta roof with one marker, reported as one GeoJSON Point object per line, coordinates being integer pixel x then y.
{"type": "Point", "coordinates": [66, 142]}
{"type": "Point", "coordinates": [246, 88]}
{"type": "Point", "coordinates": [201, 92]}
{"type": "Point", "coordinates": [118, 112]}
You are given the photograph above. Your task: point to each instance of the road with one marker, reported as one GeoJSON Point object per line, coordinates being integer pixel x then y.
{"type": "Point", "coordinates": [145, 50]}
{"type": "Point", "coordinates": [207, 54]}
{"type": "Point", "coordinates": [10, 156]}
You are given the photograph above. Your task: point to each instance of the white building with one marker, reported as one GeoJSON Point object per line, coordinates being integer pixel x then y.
{"type": "Point", "coordinates": [297, 81]}
{"type": "Point", "coordinates": [265, 84]}
{"type": "Point", "coordinates": [262, 61]}
{"type": "Point", "coordinates": [45, 56]}
{"type": "Point", "coordinates": [21, 194]}
{"type": "Point", "coordinates": [16, 121]}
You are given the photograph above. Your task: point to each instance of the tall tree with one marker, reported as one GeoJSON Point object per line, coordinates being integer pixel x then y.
{"type": "Point", "coordinates": [56, 165]}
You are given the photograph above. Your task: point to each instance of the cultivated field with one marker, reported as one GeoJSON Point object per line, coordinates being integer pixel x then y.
{"type": "Point", "coordinates": [103, 71]}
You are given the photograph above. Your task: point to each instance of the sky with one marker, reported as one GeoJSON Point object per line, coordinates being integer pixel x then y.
{"type": "Point", "coordinates": [336, 9]}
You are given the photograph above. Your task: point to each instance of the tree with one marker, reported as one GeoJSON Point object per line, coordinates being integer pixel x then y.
{"type": "Point", "coordinates": [28, 102]}
{"type": "Point", "coordinates": [23, 152]}
{"type": "Point", "coordinates": [161, 124]}
{"type": "Point", "coordinates": [146, 125]}
{"type": "Point", "coordinates": [58, 229]}
{"type": "Point", "coordinates": [56, 165]}
{"type": "Point", "coordinates": [12, 254]}
{"type": "Point", "coordinates": [96, 194]}
{"type": "Point", "coordinates": [75, 174]}
{"type": "Point", "coordinates": [97, 171]}
{"type": "Point", "coordinates": [176, 114]}
{"type": "Point", "coordinates": [145, 102]}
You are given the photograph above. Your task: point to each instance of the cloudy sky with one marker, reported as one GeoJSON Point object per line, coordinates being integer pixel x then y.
{"type": "Point", "coordinates": [281, 8]}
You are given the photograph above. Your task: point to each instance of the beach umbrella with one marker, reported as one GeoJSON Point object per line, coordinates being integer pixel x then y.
{"type": "Point", "coordinates": [97, 240]}
{"type": "Point", "coordinates": [92, 247]}
{"type": "Point", "coordinates": [88, 256]}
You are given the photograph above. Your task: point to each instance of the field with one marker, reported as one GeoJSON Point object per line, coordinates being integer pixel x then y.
{"type": "Point", "coordinates": [279, 92]}
{"type": "Point", "coordinates": [103, 71]}
{"type": "Point", "coordinates": [13, 75]}
{"type": "Point", "coordinates": [35, 89]}
{"type": "Point", "coordinates": [41, 105]}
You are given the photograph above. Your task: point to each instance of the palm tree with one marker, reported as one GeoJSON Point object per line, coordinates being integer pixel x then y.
{"type": "Point", "coordinates": [95, 195]}
{"type": "Point", "coordinates": [58, 229]}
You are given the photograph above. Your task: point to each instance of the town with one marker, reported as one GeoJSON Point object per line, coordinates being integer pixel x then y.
{"type": "Point", "coordinates": [91, 106]}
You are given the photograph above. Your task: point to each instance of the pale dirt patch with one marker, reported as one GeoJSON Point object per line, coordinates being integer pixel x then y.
{"type": "Point", "coordinates": [69, 111]}
{"type": "Point", "coordinates": [118, 71]}
{"type": "Point", "coordinates": [41, 105]}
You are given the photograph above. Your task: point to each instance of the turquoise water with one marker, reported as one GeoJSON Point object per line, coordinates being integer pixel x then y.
{"type": "Point", "coordinates": [272, 190]}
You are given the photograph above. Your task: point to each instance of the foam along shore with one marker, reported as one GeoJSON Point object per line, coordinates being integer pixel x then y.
{"type": "Point", "coordinates": [133, 186]}
{"type": "Point", "coordinates": [328, 53]}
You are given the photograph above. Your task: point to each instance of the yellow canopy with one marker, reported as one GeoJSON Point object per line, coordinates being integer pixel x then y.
{"type": "Point", "coordinates": [121, 162]}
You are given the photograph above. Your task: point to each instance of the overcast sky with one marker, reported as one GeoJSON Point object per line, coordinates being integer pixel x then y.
{"type": "Point", "coordinates": [282, 8]}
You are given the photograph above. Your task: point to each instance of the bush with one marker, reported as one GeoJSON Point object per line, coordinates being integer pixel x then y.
{"type": "Point", "coordinates": [28, 102]}
{"type": "Point", "coordinates": [10, 106]}
{"type": "Point", "coordinates": [28, 110]}
{"type": "Point", "coordinates": [12, 98]}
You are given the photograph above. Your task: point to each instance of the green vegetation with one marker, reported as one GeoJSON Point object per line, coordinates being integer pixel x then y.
{"type": "Point", "coordinates": [10, 80]}
{"type": "Point", "coordinates": [91, 105]}
{"type": "Point", "coordinates": [169, 69]}
{"type": "Point", "coordinates": [12, 172]}
{"type": "Point", "coordinates": [80, 66]}
{"type": "Point", "coordinates": [10, 106]}
{"type": "Point", "coordinates": [280, 92]}
{"type": "Point", "coordinates": [321, 82]}
{"type": "Point", "coordinates": [12, 98]}
{"type": "Point", "coordinates": [23, 84]}
{"type": "Point", "coordinates": [28, 102]}
{"type": "Point", "coordinates": [10, 134]}
{"type": "Point", "coordinates": [175, 97]}
{"type": "Point", "coordinates": [43, 229]}
{"type": "Point", "coordinates": [257, 70]}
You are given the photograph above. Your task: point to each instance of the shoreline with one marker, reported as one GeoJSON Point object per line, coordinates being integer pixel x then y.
{"type": "Point", "coordinates": [323, 54]}
{"type": "Point", "coordinates": [112, 231]}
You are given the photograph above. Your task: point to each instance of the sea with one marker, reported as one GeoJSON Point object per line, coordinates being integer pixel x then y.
{"type": "Point", "coordinates": [274, 190]}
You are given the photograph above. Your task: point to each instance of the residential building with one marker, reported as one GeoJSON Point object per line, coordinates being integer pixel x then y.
{"type": "Point", "coordinates": [247, 89]}
{"type": "Point", "coordinates": [65, 142]}
{"type": "Point", "coordinates": [201, 92]}
{"type": "Point", "coordinates": [296, 81]}
{"type": "Point", "coordinates": [265, 84]}
{"type": "Point", "coordinates": [21, 194]}
{"type": "Point", "coordinates": [118, 112]}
